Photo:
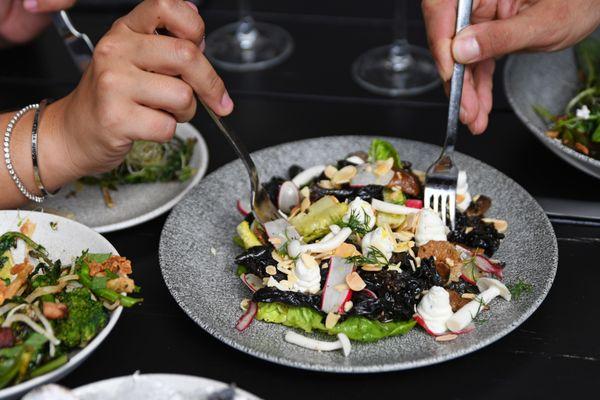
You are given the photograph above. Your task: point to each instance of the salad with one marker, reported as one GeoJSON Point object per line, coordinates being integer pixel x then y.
{"type": "Point", "coordinates": [47, 309]}
{"type": "Point", "coordinates": [147, 162]}
{"type": "Point", "coordinates": [579, 126]}
{"type": "Point", "coordinates": [356, 255]}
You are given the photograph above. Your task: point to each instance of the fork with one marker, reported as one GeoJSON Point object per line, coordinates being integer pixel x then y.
{"type": "Point", "coordinates": [262, 207]}
{"type": "Point", "coordinates": [442, 175]}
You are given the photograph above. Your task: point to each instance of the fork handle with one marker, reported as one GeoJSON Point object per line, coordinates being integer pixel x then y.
{"type": "Point", "coordinates": [463, 18]}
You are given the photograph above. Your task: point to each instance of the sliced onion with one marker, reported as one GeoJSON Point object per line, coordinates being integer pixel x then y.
{"type": "Point", "coordinates": [289, 196]}
{"type": "Point", "coordinates": [7, 307]}
{"type": "Point", "coordinates": [246, 319]}
{"type": "Point", "coordinates": [304, 177]}
{"type": "Point", "coordinates": [45, 290]}
{"type": "Point", "coordinates": [364, 178]}
{"type": "Point", "coordinates": [392, 208]}
{"type": "Point", "coordinates": [26, 320]}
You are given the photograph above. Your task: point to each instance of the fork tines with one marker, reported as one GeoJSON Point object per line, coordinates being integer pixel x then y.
{"type": "Point", "coordinates": [442, 200]}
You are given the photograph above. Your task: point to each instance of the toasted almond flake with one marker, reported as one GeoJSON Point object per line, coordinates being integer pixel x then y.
{"type": "Point", "coordinates": [344, 175]}
{"type": "Point", "coordinates": [468, 229]}
{"type": "Point", "coordinates": [325, 184]}
{"type": "Point", "coordinates": [404, 236]}
{"type": "Point", "coordinates": [345, 250]}
{"type": "Point", "coordinates": [420, 174]}
{"type": "Point", "coordinates": [305, 191]}
{"type": "Point", "coordinates": [411, 222]}
{"type": "Point", "coordinates": [324, 265]}
{"type": "Point", "coordinates": [460, 198]}
{"type": "Point", "coordinates": [500, 224]}
{"type": "Point", "coordinates": [292, 278]}
{"type": "Point", "coordinates": [476, 197]}
{"type": "Point", "coordinates": [295, 211]}
{"type": "Point", "coordinates": [323, 256]}
{"type": "Point", "coordinates": [348, 306]}
{"type": "Point", "coordinates": [271, 270]}
{"type": "Point", "coordinates": [342, 287]}
{"type": "Point", "coordinates": [446, 338]}
{"type": "Point", "coordinates": [276, 256]}
{"type": "Point", "coordinates": [401, 247]}
{"type": "Point", "coordinates": [330, 171]}
{"type": "Point", "coordinates": [285, 283]}
{"type": "Point", "coordinates": [411, 252]}
{"type": "Point", "coordinates": [304, 204]}
{"type": "Point", "coordinates": [412, 265]}
{"type": "Point", "coordinates": [244, 304]}
{"type": "Point", "coordinates": [383, 167]}
{"type": "Point", "coordinates": [355, 282]}
{"type": "Point", "coordinates": [371, 268]}
{"type": "Point", "coordinates": [418, 261]}
{"type": "Point", "coordinates": [275, 241]}
{"type": "Point", "coordinates": [468, 295]}
{"type": "Point", "coordinates": [331, 320]}
{"type": "Point", "coordinates": [309, 261]}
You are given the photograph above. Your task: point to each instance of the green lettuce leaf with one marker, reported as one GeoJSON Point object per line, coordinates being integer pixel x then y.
{"type": "Point", "coordinates": [382, 150]}
{"type": "Point", "coordinates": [356, 328]}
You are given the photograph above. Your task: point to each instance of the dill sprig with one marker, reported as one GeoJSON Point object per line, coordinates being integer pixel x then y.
{"type": "Point", "coordinates": [355, 224]}
{"type": "Point", "coordinates": [373, 257]}
{"type": "Point", "coordinates": [519, 288]}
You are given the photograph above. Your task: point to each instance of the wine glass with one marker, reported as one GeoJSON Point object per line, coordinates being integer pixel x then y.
{"type": "Point", "coordinates": [399, 68]}
{"type": "Point", "coordinates": [247, 45]}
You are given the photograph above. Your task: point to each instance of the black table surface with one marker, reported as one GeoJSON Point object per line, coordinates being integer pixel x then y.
{"type": "Point", "coordinates": [554, 353]}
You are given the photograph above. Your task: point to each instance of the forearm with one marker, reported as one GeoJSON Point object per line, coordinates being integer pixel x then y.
{"type": "Point", "coordinates": [52, 151]}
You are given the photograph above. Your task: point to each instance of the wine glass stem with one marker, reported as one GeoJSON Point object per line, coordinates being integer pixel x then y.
{"type": "Point", "coordinates": [400, 58]}
{"type": "Point", "coordinates": [246, 33]}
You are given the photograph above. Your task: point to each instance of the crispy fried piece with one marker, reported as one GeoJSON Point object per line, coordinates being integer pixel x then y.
{"type": "Point", "coordinates": [409, 183]}
{"type": "Point", "coordinates": [444, 252]}
{"type": "Point", "coordinates": [121, 284]}
{"type": "Point", "coordinates": [22, 271]}
{"type": "Point", "coordinates": [115, 264]}
{"type": "Point", "coordinates": [53, 310]}
{"type": "Point", "coordinates": [443, 270]}
{"type": "Point", "coordinates": [456, 300]}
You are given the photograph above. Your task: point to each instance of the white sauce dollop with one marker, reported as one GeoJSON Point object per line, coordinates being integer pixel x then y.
{"type": "Point", "coordinates": [362, 211]}
{"type": "Point", "coordinates": [380, 239]}
{"type": "Point", "coordinates": [462, 189]}
{"type": "Point", "coordinates": [309, 277]}
{"type": "Point", "coordinates": [430, 227]}
{"type": "Point", "coordinates": [435, 309]}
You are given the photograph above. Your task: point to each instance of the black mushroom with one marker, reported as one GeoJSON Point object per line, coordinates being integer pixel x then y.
{"type": "Point", "coordinates": [479, 206]}
{"type": "Point", "coordinates": [347, 192]}
{"type": "Point", "coordinates": [257, 259]}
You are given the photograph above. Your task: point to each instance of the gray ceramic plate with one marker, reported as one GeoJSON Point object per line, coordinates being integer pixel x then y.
{"type": "Point", "coordinates": [197, 253]}
{"type": "Point", "coordinates": [134, 204]}
{"type": "Point", "coordinates": [65, 242]}
{"type": "Point", "coordinates": [548, 80]}
{"type": "Point", "coordinates": [181, 387]}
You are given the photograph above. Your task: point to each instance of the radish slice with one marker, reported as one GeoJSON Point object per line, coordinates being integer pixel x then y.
{"type": "Point", "coordinates": [414, 203]}
{"type": "Point", "coordinates": [333, 299]}
{"type": "Point", "coordinates": [487, 265]}
{"type": "Point", "coordinates": [364, 178]}
{"type": "Point", "coordinates": [392, 208]}
{"type": "Point", "coordinates": [370, 293]}
{"type": "Point", "coordinates": [246, 319]}
{"type": "Point", "coordinates": [289, 196]}
{"type": "Point", "coordinates": [253, 282]}
{"type": "Point", "coordinates": [304, 177]}
{"type": "Point", "coordinates": [244, 207]}
{"type": "Point", "coordinates": [423, 324]}
{"type": "Point", "coordinates": [471, 273]}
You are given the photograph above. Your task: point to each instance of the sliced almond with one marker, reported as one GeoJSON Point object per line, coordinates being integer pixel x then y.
{"type": "Point", "coordinates": [305, 191]}
{"type": "Point", "coordinates": [500, 224]}
{"type": "Point", "coordinates": [446, 338]}
{"type": "Point", "coordinates": [330, 171]}
{"type": "Point", "coordinates": [404, 236]}
{"type": "Point", "coordinates": [401, 247]}
{"type": "Point", "coordinates": [309, 261]}
{"type": "Point", "coordinates": [348, 306]}
{"type": "Point", "coordinates": [355, 282]}
{"type": "Point", "coordinates": [449, 262]}
{"type": "Point", "coordinates": [344, 175]}
{"type": "Point", "coordinates": [331, 320]}
{"type": "Point", "coordinates": [276, 256]}
{"type": "Point", "coordinates": [371, 268]}
{"type": "Point", "coordinates": [295, 211]}
{"type": "Point", "coordinates": [342, 287]}
{"type": "Point", "coordinates": [271, 270]}
{"type": "Point", "coordinates": [304, 204]}
{"type": "Point", "coordinates": [325, 184]}
{"type": "Point", "coordinates": [292, 278]}
{"type": "Point", "coordinates": [275, 241]}
{"type": "Point", "coordinates": [345, 250]}
{"type": "Point", "coordinates": [468, 295]}
{"type": "Point", "coordinates": [420, 174]}
{"type": "Point", "coordinates": [383, 167]}
{"type": "Point", "coordinates": [468, 229]}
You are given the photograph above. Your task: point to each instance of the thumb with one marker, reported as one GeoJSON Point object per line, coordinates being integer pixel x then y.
{"type": "Point", "coordinates": [47, 5]}
{"type": "Point", "coordinates": [493, 39]}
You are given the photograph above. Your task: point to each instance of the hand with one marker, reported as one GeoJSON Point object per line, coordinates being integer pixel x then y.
{"type": "Point", "coordinates": [500, 27]}
{"type": "Point", "coordinates": [23, 20]}
{"type": "Point", "coordinates": [137, 87]}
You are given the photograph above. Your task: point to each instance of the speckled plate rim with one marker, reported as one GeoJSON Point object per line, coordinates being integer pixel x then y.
{"type": "Point", "coordinates": [202, 150]}
{"type": "Point", "coordinates": [80, 355]}
{"type": "Point", "coordinates": [400, 366]}
{"type": "Point", "coordinates": [540, 134]}
{"type": "Point", "coordinates": [175, 381]}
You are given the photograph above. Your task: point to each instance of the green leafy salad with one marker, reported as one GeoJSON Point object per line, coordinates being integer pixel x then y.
{"type": "Point", "coordinates": [578, 127]}
{"type": "Point", "coordinates": [48, 310]}
{"type": "Point", "coordinates": [355, 255]}
{"type": "Point", "coordinates": [148, 162]}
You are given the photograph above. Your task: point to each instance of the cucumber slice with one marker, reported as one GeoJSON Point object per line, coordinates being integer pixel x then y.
{"type": "Point", "coordinates": [314, 223]}
{"type": "Point", "coordinates": [248, 237]}
{"type": "Point", "coordinates": [393, 220]}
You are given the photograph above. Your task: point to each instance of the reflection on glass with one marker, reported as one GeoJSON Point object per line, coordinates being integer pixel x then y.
{"type": "Point", "coordinates": [397, 69]}
{"type": "Point", "coordinates": [247, 45]}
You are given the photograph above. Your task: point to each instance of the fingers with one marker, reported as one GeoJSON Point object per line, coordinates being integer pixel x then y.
{"type": "Point", "coordinates": [440, 19]}
{"type": "Point", "coordinates": [176, 16]}
{"type": "Point", "coordinates": [483, 74]}
{"type": "Point", "coordinates": [152, 125]}
{"type": "Point", "coordinates": [176, 57]}
{"type": "Point", "coordinates": [165, 93]}
{"type": "Point", "coordinates": [47, 5]}
{"type": "Point", "coordinates": [470, 102]}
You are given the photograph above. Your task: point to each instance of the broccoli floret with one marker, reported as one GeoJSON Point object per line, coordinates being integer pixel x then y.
{"type": "Point", "coordinates": [85, 319]}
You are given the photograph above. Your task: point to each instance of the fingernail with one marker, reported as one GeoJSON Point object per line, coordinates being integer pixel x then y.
{"type": "Point", "coordinates": [192, 5]}
{"type": "Point", "coordinates": [203, 45]}
{"type": "Point", "coordinates": [226, 101]}
{"type": "Point", "coordinates": [466, 49]}
{"type": "Point", "coordinates": [30, 5]}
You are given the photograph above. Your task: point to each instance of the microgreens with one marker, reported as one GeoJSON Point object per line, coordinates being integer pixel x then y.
{"type": "Point", "coordinates": [519, 288]}
{"type": "Point", "coordinates": [373, 257]}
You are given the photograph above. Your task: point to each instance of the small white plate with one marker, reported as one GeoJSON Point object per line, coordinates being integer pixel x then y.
{"type": "Point", "coordinates": [134, 204]}
{"type": "Point", "coordinates": [156, 387]}
{"type": "Point", "coordinates": [65, 242]}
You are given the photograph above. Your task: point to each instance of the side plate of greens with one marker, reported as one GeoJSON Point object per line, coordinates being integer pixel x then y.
{"type": "Point", "coordinates": [150, 182]}
{"type": "Point", "coordinates": [60, 253]}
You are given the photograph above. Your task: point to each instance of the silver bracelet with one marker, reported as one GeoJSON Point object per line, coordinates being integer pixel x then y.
{"type": "Point", "coordinates": [34, 150]}
{"type": "Point", "coordinates": [7, 161]}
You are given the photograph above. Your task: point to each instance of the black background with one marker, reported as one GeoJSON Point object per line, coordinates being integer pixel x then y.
{"type": "Point", "coordinates": [555, 353]}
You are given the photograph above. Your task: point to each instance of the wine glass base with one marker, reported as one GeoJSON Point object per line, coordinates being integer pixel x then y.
{"type": "Point", "coordinates": [271, 46]}
{"type": "Point", "coordinates": [376, 72]}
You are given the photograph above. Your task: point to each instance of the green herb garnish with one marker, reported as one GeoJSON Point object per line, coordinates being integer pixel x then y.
{"type": "Point", "coordinates": [374, 257]}
{"type": "Point", "coordinates": [519, 288]}
{"type": "Point", "coordinates": [355, 224]}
